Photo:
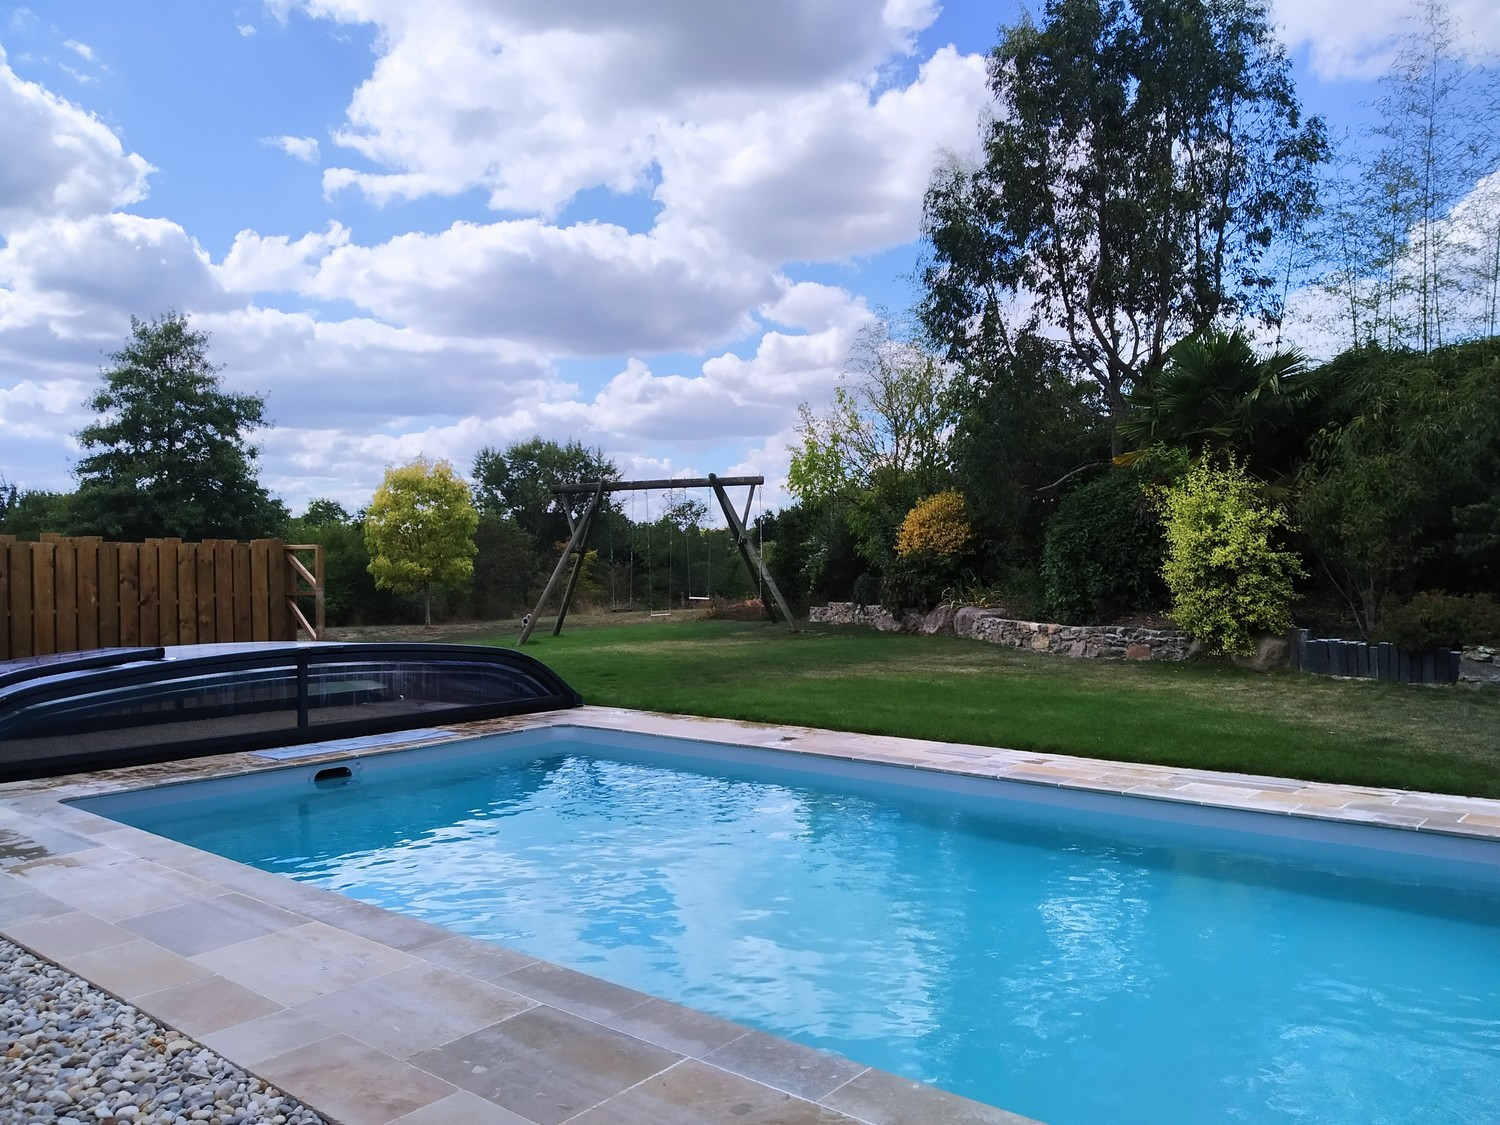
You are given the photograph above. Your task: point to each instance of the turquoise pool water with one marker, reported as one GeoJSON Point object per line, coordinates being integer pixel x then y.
{"type": "Point", "coordinates": [1074, 958]}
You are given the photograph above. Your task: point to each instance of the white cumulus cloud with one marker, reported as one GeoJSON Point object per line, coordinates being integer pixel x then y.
{"type": "Point", "coordinates": [263, 264]}
{"type": "Point", "coordinates": [1347, 40]}
{"type": "Point", "coordinates": [304, 149]}
{"type": "Point", "coordinates": [767, 123]}
{"type": "Point", "coordinates": [586, 289]}
{"type": "Point", "coordinates": [60, 160]}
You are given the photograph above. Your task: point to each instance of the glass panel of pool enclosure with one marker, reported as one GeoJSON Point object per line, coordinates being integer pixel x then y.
{"type": "Point", "coordinates": [111, 707]}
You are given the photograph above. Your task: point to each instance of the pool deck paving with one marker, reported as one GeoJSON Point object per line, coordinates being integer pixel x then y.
{"type": "Point", "coordinates": [374, 1018]}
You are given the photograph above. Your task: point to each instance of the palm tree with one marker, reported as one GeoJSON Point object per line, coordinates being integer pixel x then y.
{"type": "Point", "coordinates": [1215, 394]}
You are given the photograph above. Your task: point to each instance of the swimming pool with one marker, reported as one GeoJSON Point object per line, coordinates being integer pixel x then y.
{"type": "Point", "coordinates": [1071, 956]}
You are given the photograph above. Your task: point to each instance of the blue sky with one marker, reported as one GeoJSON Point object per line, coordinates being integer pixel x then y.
{"type": "Point", "coordinates": [656, 226]}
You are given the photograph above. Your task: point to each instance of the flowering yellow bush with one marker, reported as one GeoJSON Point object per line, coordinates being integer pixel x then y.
{"type": "Point", "coordinates": [938, 525]}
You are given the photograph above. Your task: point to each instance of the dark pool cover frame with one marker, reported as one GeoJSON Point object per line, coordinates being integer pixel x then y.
{"type": "Point", "coordinates": [114, 707]}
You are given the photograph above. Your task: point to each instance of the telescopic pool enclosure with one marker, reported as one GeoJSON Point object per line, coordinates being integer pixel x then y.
{"type": "Point", "coordinates": [128, 706]}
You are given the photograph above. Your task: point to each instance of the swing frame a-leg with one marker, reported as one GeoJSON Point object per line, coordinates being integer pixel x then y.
{"type": "Point", "coordinates": [577, 548]}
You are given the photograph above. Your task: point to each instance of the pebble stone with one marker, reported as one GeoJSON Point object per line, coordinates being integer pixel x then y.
{"type": "Point", "coordinates": [74, 1055]}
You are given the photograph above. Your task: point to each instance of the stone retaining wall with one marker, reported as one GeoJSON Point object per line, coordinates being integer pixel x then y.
{"type": "Point", "coordinates": [1480, 667]}
{"type": "Point", "coordinates": [1101, 642]}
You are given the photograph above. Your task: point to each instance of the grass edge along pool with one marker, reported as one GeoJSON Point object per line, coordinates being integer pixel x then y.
{"type": "Point", "coordinates": [1401, 856]}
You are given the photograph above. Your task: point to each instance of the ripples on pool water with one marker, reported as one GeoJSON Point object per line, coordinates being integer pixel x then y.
{"type": "Point", "coordinates": [1073, 977]}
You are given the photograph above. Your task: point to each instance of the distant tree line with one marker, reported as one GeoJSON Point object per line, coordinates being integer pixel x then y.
{"type": "Point", "coordinates": [172, 454]}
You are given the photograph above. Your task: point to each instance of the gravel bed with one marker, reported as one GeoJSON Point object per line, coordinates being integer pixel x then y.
{"type": "Point", "coordinates": [75, 1055]}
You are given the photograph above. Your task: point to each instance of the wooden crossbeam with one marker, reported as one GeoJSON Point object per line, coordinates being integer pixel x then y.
{"type": "Point", "coordinates": [657, 485]}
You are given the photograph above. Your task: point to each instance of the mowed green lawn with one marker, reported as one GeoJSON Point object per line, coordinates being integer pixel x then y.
{"type": "Point", "coordinates": [949, 689]}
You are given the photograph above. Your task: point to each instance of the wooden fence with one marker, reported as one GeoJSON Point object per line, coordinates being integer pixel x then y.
{"type": "Point", "coordinates": [63, 595]}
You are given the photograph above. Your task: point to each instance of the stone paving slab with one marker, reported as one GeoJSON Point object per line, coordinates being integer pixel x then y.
{"type": "Point", "coordinates": [314, 991]}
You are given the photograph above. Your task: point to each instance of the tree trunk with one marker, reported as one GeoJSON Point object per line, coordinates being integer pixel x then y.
{"type": "Point", "coordinates": [427, 607]}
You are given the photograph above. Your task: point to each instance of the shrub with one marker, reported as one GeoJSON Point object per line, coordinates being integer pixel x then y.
{"type": "Point", "coordinates": [866, 590]}
{"type": "Point", "coordinates": [1018, 591]}
{"type": "Point", "coordinates": [937, 525]}
{"type": "Point", "coordinates": [1228, 578]}
{"type": "Point", "coordinates": [1103, 551]}
{"type": "Point", "coordinates": [930, 550]}
{"type": "Point", "coordinates": [1439, 620]}
{"type": "Point", "coordinates": [913, 581]}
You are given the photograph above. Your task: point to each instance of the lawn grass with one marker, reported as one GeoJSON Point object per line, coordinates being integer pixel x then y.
{"type": "Point", "coordinates": [949, 689]}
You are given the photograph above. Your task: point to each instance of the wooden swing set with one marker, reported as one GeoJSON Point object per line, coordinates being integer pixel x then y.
{"type": "Point", "coordinates": [580, 524]}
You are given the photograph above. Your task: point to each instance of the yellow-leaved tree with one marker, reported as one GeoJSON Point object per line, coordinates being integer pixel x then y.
{"type": "Point", "coordinates": [420, 530]}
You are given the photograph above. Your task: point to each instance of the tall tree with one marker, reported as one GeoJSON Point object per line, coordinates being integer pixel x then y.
{"type": "Point", "coordinates": [890, 416]}
{"type": "Point", "coordinates": [420, 530]}
{"type": "Point", "coordinates": [882, 445]}
{"type": "Point", "coordinates": [517, 482]}
{"type": "Point", "coordinates": [171, 454]}
{"type": "Point", "coordinates": [1411, 233]}
{"type": "Point", "coordinates": [1350, 239]}
{"type": "Point", "coordinates": [1026, 426]}
{"type": "Point", "coordinates": [1143, 157]}
{"type": "Point", "coordinates": [1432, 148]}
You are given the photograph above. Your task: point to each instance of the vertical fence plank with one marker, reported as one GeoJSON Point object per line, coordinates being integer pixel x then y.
{"type": "Point", "coordinates": [260, 589]}
{"type": "Point", "coordinates": [128, 562]}
{"type": "Point", "coordinates": [64, 595]}
{"type": "Point", "coordinates": [244, 626]}
{"type": "Point", "coordinates": [204, 607]}
{"type": "Point", "coordinates": [282, 582]}
{"type": "Point", "coordinates": [150, 628]}
{"type": "Point", "coordinates": [166, 590]}
{"type": "Point", "coordinates": [43, 576]}
{"type": "Point", "coordinates": [223, 590]}
{"type": "Point", "coordinates": [22, 617]}
{"type": "Point", "coordinates": [187, 594]}
{"type": "Point", "coordinates": [109, 595]}
{"type": "Point", "coordinates": [88, 591]}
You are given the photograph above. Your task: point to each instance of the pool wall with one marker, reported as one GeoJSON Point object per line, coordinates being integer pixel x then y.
{"type": "Point", "coordinates": [1352, 847]}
